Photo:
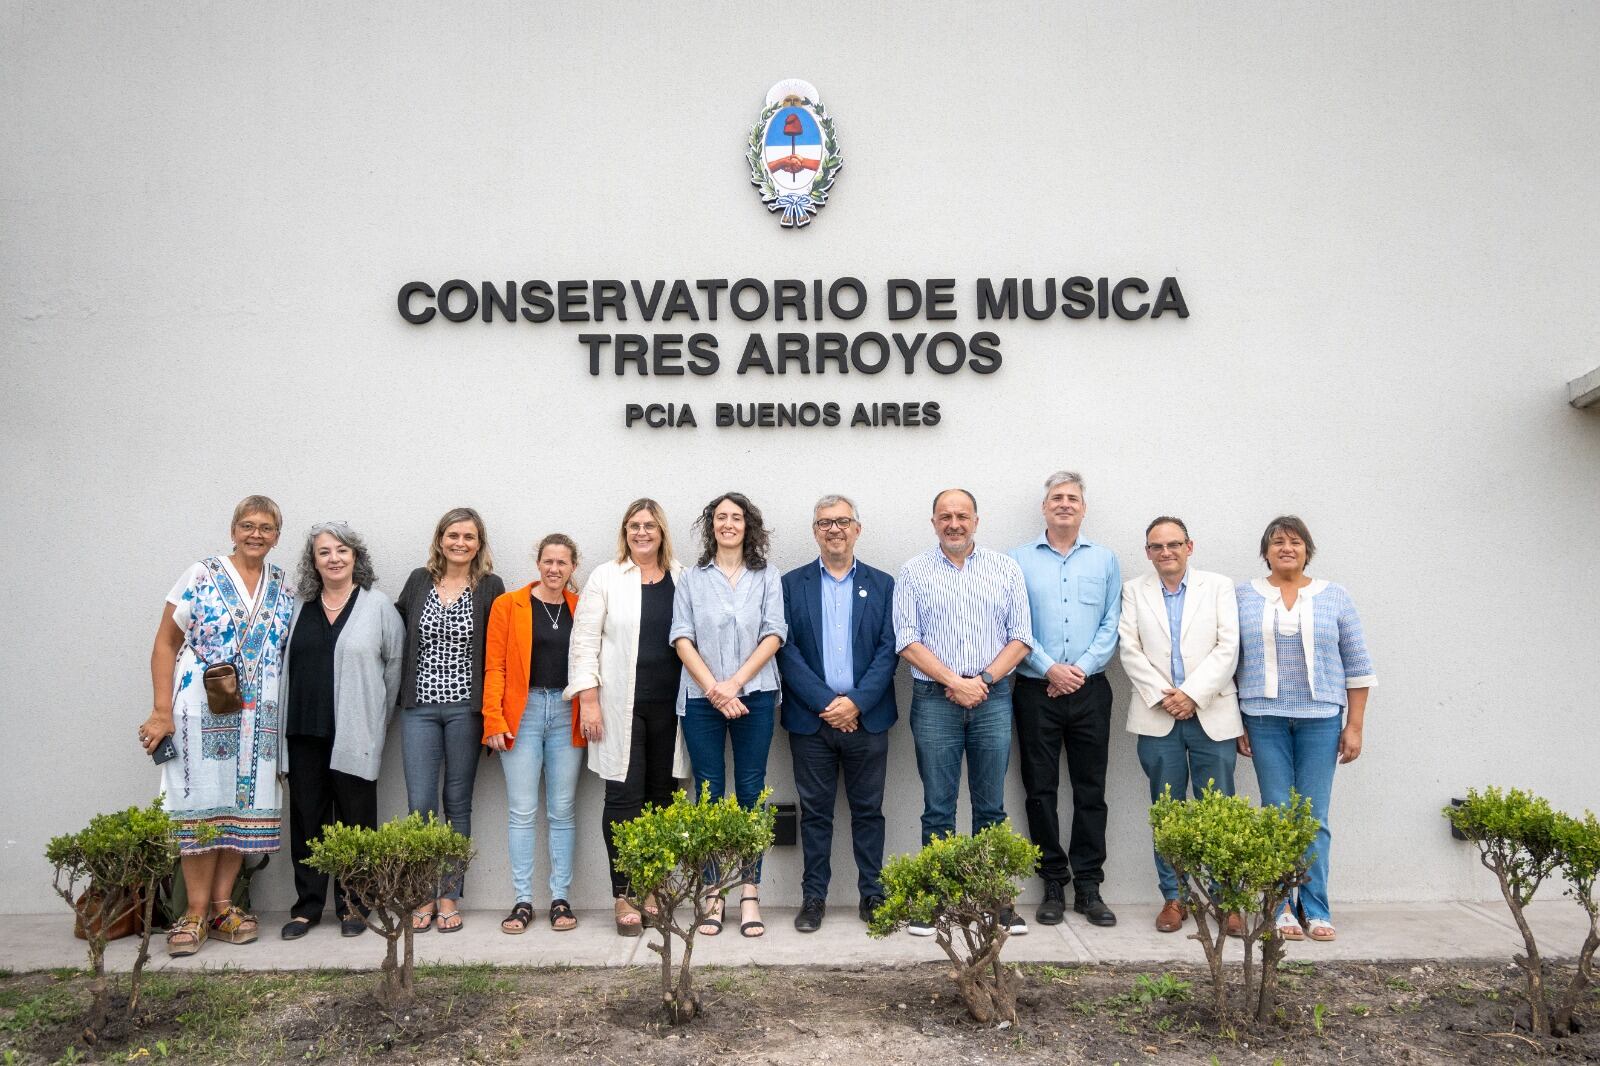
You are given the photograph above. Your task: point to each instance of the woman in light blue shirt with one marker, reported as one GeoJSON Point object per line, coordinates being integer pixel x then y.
{"type": "Point", "coordinates": [1303, 678]}
{"type": "Point", "coordinates": [727, 624]}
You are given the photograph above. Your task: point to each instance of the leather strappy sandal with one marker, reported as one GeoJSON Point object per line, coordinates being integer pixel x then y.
{"type": "Point", "coordinates": [755, 927]}
{"type": "Point", "coordinates": [519, 919]}
{"type": "Point", "coordinates": [234, 926]}
{"type": "Point", "coordinates": [186, 936]}
{"type": "Point", "coordinates": [561, 917]}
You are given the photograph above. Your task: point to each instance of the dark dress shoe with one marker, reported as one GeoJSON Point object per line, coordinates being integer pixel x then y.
{"type": "Point", "coordinates": [1092, 907]}
{"type": "Point", "coordinates": [868, 907]}
{"type": "Point", "coordinates": [295, 928]}
{"type": "Point", "coordinates": [352, 926]}
{"type": "Point", "coordinates": [1054, 907]}
{"type": "Point", "coordinates": [809, 920]}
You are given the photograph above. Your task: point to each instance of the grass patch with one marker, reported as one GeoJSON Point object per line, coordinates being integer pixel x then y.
{"type": "Point", "coordinates": [27, 1010]}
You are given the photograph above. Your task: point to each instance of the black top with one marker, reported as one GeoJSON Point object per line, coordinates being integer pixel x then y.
{"type": "Point", "coordinates": [552, 632]}
{"type": "Point", "coordinates": [656, 677]}
{"type": "Point", "coordinates": [310, 711]}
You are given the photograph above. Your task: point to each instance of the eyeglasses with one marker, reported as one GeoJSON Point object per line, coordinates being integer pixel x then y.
{"type": "Point", "coordinates": [642, 527]}
{"type": "Point", "coordinates": [252, 528]}
{"type": "Point", "coordinates": [1169, 546]}
{"type": "Point", "coordinates": [825, 524]}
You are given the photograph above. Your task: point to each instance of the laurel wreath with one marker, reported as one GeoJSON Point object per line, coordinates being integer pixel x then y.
{"type": "Point", "coordinates": [761, 178]}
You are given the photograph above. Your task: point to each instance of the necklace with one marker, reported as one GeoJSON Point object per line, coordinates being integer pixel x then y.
{"type": "Point", "coordinates": [555, 619]}
{"type": "Point", "coordinates": [336, 609]}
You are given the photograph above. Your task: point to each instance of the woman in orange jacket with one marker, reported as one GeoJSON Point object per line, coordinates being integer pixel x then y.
{"type": "Point", "coordinates": [532, 727]}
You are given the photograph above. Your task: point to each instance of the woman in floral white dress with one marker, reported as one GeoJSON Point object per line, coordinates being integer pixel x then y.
{"type": "Point", "coordinates": [222, 786]}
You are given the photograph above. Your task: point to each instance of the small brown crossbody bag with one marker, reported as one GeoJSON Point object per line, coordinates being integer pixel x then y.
{"type": "Point", "coordinates": [222, 679]}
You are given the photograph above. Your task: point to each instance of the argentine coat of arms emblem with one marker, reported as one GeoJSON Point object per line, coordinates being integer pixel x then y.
{"type": "Point", "coordinates": [793, 152]}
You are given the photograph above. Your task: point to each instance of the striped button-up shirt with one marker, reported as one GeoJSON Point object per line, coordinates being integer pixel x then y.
{"type": "Point", "coordinates": [965, 614]}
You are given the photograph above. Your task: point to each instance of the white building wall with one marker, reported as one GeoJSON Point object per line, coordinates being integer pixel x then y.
{"type": "Point", "coordinates": [1382, 217]}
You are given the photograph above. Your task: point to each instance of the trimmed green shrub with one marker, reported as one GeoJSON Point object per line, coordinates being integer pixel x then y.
{"type": "Point", "coordinates": [1233, 857]}
{"type": "Point", "coordinates": [688, 853]}
{"type": "Point", "coordinates": [961, 885]}
{"type": "Point", "coordinates": [1580, 863]}
{"type": "Point", "coordinates": [1522, 841]}
{"type": "Point", "coordinates": [106, 872]}
{"type": "Point", "coordinates": [389, 872]}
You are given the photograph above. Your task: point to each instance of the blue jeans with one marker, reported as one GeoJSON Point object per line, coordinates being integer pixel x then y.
{"type": "Point", "coordinates": [448, 735]}
{"type": "Point", "coordinates": [1183, 759]}
{"type": "Point", "coordinates": [544, 742]}
{"type": "Point", "coordinates": [943, 731]}
{"type": "Point", "coordinates": [706, 734]}
{"type": "Point", "coordinates": [1300, 753]}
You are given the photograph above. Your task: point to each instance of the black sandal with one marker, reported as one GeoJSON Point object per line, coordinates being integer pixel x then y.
{"type": "Point", "coordinates": [522, 914]}
{"type": "Point", "coordinates": [561, 911]}
{"type": "Point", "coordinates": [711, 926]}
{"type": "Point", "coordinates": [757, 925]}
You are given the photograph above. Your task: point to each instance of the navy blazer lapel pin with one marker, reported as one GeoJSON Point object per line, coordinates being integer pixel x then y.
{"type": "Point", "coordinates": [862, 593]}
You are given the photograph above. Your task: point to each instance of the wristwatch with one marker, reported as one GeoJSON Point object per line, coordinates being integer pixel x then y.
{"type": "Point", "coordinates": [986, 677]}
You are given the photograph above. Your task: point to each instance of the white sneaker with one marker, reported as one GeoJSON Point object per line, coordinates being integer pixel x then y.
{"type": "Point", "coordinates": [920, 929]}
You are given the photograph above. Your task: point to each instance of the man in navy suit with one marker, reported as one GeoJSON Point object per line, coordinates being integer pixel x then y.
{"type": "Point", "coordinates": [838, 702]}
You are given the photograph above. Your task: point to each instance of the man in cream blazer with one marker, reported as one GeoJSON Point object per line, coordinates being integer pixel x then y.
{"type": "Point", "coordinates": [1180, 642]}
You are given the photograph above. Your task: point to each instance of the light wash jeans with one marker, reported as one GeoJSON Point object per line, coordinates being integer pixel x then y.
{"type": "Point", "coordinates": [543, 743]}
{"type": "Point", "coordinates": [1300, 753]}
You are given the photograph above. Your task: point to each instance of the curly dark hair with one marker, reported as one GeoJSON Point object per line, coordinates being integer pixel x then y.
{"type": "Point", "coordinates": [308, 582]}
{"type": "Point", "coordinates": [755, 531]}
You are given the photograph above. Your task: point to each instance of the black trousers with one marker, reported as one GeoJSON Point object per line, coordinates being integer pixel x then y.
{"type": "Point", "coordinates": [318, 797]}
{"type": "Point", "coordinates": [649, 780]}
{"type": "Point", "coordinates": [819, 760]}
{"type": "Point", "coordinates": [1080, 723]}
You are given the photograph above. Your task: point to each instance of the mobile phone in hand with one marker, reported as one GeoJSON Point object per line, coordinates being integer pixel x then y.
{"type": "Point", "coordinates": [165, 751]}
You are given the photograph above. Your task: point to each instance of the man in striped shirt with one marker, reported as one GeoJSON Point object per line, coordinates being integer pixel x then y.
{"type": "Point", "coordinates": [961, 620]}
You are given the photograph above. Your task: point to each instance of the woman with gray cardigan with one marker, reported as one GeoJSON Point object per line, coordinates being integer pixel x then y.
{"type": "Point", "coordinates": [341, 674]}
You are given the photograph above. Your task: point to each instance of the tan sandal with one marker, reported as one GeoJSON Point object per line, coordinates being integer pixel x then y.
{"type": "Point", "coordinates": [627, 918]}
{"type": "Point", "coordinates": [1321, 930]}
{"type": "Point", "coordinates": [186, 936]}
{"type": "Point", "coordinates": [234, 926]}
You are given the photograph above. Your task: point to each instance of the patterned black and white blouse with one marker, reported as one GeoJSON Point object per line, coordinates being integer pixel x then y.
{"type": "Point", "coordinates": [444, 653]}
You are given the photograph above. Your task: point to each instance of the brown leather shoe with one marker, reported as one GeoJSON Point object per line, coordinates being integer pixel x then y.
{"type": "Point", "coordinates": [1236, 925]}
{"type": "Point", "coordinates": [1171, 918]}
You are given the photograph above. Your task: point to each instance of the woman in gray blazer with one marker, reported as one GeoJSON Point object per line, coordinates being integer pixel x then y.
{"type": "Point", "coordinates": [341, 674]}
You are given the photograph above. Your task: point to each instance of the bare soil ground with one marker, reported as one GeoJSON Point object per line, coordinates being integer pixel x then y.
{"type": "Point", "coordinates": [1333, 1012]}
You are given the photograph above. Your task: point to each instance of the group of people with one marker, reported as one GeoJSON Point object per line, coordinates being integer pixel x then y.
{"type": "Point", "coordinates": [655, 669]}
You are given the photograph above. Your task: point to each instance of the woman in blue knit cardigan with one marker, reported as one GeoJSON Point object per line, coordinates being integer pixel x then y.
{"type": "Point", "coordinates": [1303, 677]}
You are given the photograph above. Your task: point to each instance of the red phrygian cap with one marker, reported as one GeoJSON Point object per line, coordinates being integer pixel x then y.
{"type": "Point", "coordinates": [791, 125]}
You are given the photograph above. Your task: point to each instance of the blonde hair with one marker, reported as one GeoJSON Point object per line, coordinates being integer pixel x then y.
{"type": "Point", "coordinates": [559, 540]}
{"type": "Point", "coordinates": [482, 564]}
{"type": "Point", "coordinates": [257, 505]}
{"type": "Point", "coordinates": [664, 554]}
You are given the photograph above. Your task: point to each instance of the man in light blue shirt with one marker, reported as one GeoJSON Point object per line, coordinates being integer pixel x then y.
{"type": "Point", "coordinates": [1063, 699]}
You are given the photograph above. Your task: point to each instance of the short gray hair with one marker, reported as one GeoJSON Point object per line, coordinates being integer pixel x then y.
{"type": "Point", "coordinates": [308, 582]}
{"type": "Point", "coordinates": [1064, 477]}
{"type": "Point", "coordinates": [833, 500]}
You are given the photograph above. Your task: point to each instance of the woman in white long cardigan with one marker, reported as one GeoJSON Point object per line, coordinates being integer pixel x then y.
{"type": "Point", "coordinates": [624, 674]}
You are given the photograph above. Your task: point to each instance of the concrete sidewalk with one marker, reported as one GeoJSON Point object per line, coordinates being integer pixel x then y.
{"type": "Point", "coordinates": [1366, 932]}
